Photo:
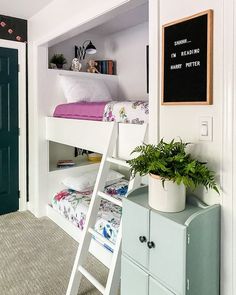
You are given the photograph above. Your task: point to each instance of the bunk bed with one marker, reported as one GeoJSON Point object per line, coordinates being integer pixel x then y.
{"type": "Point", "coordinates": [65, 127]}
{"type": "Point", "coordinates": [83, 132]}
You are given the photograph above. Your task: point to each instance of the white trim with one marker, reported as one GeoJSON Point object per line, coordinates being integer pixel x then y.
{"type": "Point", "coordinates": [22, 116]}
{"type": "Point", "coordinates": [154, 62]}
{"type": "Point", "coordinates": [228, 155]}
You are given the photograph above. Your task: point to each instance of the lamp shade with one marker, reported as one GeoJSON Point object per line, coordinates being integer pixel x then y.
{"type": "Point", "coordinates": [90, 48]}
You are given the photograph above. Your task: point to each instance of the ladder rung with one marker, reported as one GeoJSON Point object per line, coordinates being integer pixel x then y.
{"type": "Point", "coordinates": [110, 199]}
{"type": "Point", "coordinates": [118, 162]}
{"type": "Point", "coordinates": [92, 279]}
{"type": "Point", "coordinates": [101, 238]}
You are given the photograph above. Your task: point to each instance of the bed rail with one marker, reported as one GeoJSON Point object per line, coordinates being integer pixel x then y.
{"type": "Point", "coordinates": [85, 134]}
{"type": "Point", "coordinates": [93, 135]}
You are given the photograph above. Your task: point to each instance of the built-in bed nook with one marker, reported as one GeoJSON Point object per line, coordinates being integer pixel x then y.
{"type": "Point", "coordinates": [70, 127]}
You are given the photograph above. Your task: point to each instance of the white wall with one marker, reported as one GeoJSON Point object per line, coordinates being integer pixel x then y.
{"type": "Point", "coordinates": [127, 48]}
{"type": "Point", "coordinates": [183, 121]}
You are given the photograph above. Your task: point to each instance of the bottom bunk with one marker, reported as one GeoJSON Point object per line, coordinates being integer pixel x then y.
{"type": "Point", "coordinates": [68, 209]}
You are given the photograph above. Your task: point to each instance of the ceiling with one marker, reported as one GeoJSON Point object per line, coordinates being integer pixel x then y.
{"type": "Point", "coordinates": [22, 8]}
{"type": "Point", "coordinates": [133, 17]}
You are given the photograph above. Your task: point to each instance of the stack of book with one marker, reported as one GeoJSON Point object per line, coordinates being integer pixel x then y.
{"type": "Point", "coordinates": [106, 67]}
{"type": "Point", "coordinates": [65, 163]}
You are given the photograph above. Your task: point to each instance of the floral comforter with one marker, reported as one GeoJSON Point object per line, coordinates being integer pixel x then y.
{"type": "Point", "coordinates": [135, 112]}
{"type": "Point", "coordinates": [74, 205]}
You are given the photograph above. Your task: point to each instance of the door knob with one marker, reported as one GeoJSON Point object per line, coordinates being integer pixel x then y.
{"type": "Point", "coordinates": [142, 239]}
{"type": "Point", "coordinates": [150, 245]}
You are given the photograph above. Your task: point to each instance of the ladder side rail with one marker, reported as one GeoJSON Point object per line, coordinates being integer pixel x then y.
{"type": "Point", "coordinates": [91, 217]}
{"type": "Point", "coordinates": [113, 279]}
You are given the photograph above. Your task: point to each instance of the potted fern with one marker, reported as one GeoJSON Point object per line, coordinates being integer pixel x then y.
{"type": "Point", "coordinates": [171, 170]}
{"type": "Point", "coordinates": [59, 60]}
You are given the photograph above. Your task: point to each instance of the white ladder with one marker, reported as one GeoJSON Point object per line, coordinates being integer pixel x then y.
{"type": "Point", "coordinates": [78, 270]}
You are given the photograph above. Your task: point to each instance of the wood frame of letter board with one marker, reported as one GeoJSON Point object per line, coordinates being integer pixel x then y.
{"type": "Point", "coordinates": [209, 87]}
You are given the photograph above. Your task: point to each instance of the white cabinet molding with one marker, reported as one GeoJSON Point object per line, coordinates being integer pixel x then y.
{"type": "Point", "coordinates": [228, 250]}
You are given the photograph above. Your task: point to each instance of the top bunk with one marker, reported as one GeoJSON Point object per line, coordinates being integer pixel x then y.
{"type": "Point", "coordinates": [121, 41]}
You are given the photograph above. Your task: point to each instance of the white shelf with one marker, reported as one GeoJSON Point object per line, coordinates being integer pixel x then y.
{"type": "Point", "coordinates": [82, 161]}
{"type": "Point", "coordinates": [84, 74]}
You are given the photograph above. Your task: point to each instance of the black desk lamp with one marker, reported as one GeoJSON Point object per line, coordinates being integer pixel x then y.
{"type": "Point", "coordinates": [81, 51]}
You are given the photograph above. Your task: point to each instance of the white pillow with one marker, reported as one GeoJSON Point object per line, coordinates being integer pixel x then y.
{"type": "Point", "coordinates": [84, 89]}
{"type": "Point", "coordinates": [87, 181]}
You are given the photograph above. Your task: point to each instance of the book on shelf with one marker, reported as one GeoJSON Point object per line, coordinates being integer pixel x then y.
{"type": "Point", "coordinates": [65, 163]}
{"type": "Point", "coordinates": [106, 67]}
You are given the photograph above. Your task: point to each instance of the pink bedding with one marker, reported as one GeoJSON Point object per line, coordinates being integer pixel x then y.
{"type": "Point", "coordinates": [81, 110]}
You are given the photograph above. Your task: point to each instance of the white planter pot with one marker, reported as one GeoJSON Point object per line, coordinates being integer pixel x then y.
{"type": "Point", "coordinates": [171, 198]}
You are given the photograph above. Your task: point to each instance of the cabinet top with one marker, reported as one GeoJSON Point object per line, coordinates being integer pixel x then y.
{"type": "Point", "coordinates": [140, 197]}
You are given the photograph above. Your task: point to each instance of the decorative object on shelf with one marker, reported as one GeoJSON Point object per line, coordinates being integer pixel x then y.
{"type": "Point", "coordinates": [86, 48]}
{"type": "Point", "coordinates": [187, 60]}
{"type": "Point", "coordinates": [92, 64]}
{"type": "Point", "coordinates": [65, 163]}
{"type": "Point", "coordinates": [76, 65]}
{"type": "Point", "coordinates": [52, 66]}
{"type": "Point", "coordinates": [94, 157]}
{"type": "Point", "coordinates": [59, 60]}
{"type": "Point", "coordinates": [106, 67]}
{"type": "Point", "coordinates": [170, 170]}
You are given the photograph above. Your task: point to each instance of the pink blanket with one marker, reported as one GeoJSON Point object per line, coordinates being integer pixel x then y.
{"type": "Point", "coordinates": [81, 110]}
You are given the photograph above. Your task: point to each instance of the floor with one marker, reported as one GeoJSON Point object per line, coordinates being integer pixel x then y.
{"type": "Point", "coordinates": [37, 257]}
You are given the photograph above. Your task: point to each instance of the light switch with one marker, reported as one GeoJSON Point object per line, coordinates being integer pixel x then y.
{"type": "Point", "coordinates": [205, 128]}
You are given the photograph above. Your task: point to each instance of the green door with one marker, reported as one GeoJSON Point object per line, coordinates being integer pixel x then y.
{"type": "Point", "coordinates": [9, 167]}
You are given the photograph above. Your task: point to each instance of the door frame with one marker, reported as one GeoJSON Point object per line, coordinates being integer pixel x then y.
{"type": "Point", "coordinates": [21, 47]}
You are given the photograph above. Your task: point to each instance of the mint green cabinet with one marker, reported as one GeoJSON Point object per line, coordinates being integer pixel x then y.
{"type": "Point", "coordinates": [135, 280]}
{"type": "Point", "coordinates": [135, 230]}
{"type": "Point", "coordinates": [169, 253]}
{"type": "Point", "coordinates": [157, 289]}
{"type": "Point", "coordinates": [169, 237]}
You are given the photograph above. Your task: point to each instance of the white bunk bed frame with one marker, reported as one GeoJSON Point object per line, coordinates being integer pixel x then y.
{"type": "Point", "coordinates": [90, 135]}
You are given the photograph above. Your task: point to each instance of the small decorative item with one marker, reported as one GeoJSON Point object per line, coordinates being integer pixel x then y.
{"type": "Point", "coordinates": [86, 48]}
{"type": "Point", "coordinates": [76, 65]}
{"type": "Point", "coordinates": [92, 66]}
{"type": "Point", "coordinates": [187, 60]}
{"type": "Point", "coordinates": [52, 66]}
{"type": "Point", "coordinates": [59, 60]}
{"type": "Point", "coordinates": [171, 170]}
{"type": "Point", "coordinates": [94, 157]}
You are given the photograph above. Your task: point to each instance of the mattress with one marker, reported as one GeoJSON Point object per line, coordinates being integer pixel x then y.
{"type": "Point", "coordinates": [74, 205]}
{"type": "Point", "coordinates": [134, 112]}
{"type": "Point", "coordinates": [81, 110]}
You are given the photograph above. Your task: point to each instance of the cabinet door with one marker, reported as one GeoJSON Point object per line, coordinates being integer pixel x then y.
{"type": "Point", "coordinates": [167, 258]}
{"type": "Point", "coordinates": [157, 289]}
{"type": "Point", "coordinates": [135, 225]}
{"type": "Point", "coordinates": [134, 281]}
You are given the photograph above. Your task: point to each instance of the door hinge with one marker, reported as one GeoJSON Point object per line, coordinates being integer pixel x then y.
{"type": "Point", "coordinates": [19, 194]}
{"type": "Point", "coordinates": [18, 68]}
{"type": "Point", "coordinates": [188, 239]}
{"type": "Point", "coordinates": [188, 284]}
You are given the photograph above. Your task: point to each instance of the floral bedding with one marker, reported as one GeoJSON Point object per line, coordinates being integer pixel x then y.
{"type": "Point", "coordinates": [74, 205]}
{"type": "Point", "coordinates": [134, 112]}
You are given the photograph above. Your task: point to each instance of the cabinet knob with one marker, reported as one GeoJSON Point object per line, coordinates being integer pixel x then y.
{"type": "Point", "coordinates": [142, 239]}
{"type": "Point", "coordinates": [150, 245]}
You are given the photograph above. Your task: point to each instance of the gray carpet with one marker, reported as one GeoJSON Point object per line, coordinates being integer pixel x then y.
{"type": "Point", "coordinates": [36, 257]}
